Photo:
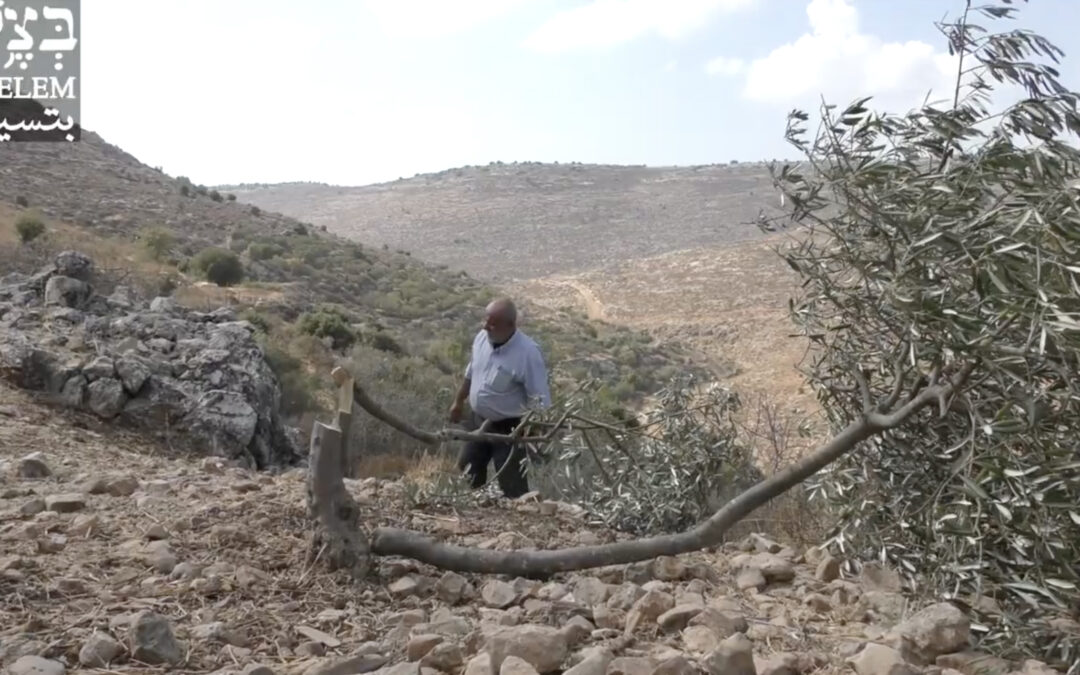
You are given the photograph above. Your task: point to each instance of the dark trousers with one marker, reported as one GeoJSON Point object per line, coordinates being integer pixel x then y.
{"type": "Point", "coordinates": [476, 455]}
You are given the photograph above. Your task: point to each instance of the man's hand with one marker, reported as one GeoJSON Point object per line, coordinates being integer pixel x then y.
{"type": "Point", "coordinates": [455, 412]}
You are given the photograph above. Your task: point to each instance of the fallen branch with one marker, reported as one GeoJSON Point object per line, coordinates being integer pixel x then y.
{"type": "Point", "coordinates": [533, 563]}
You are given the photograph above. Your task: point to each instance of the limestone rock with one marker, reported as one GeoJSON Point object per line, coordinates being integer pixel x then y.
{"type": "Point", "coordinates": [99, 650]}
{"type": "Point", "coordinates": [676, 618]}
{"type": "Point", "coordinates": [451, 588]}
{"type": "Point", "coordinates": [36, 665]}
{"type": "Point", "coordinates": [33, 466]}
{"type": "Point", "coordinates": [152, 640]}
{"type": "Point", "coordinates": [65, 503]}
{"type": "Point", "coordinates": [513, 665]}
{"type": "Point", "coordinates": [544, 647]}
{"type": "Point", "coordinates": [498, 594]}
{"type": "Point", "coordinates": [939, 629]}
{"type": "Point", "coordinates": [877, 659]}
{"type": "Point", "coordinates": [648, 609]}
{"type": "Point", "coordinates": [733, 656]}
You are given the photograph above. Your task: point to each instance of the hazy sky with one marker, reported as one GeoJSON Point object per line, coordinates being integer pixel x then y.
{"type": "Point", "coordinates": [361, 91]}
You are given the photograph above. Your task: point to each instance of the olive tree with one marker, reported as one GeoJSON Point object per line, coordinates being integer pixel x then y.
{"type": "Point", "coordinates": [941, 241]}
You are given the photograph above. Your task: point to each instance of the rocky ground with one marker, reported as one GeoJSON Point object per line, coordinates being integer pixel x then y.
{"type": "Point", "coordinates": [119, 555]}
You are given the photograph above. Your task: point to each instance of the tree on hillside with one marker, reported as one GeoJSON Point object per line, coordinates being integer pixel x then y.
{"type": "Point", "coordinates": [941, 295]}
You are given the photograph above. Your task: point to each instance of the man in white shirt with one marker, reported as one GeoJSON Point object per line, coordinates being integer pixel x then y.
{"type": "Point", "coordinates": [506, 374]}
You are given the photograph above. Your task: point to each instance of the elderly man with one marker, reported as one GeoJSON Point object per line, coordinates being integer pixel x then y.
{"type": "Point", "coordinates": [505, 374]}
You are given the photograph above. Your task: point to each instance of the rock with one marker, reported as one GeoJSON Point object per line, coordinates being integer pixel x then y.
{"type": "Point", "coordinates": [675, 665]}
{"type": "Point", "coordinates": [217, 631]}
{"type": "Point", "coordinates": [36, 665]}
{"type": "Point", "coordinates": [648, 609]}
{"type": "Point", "coordinates": [419, 645]}
{"type": "Point", "coordinates": [99, 650]}
{"type": "Point", "coordinates": [668, 568]}
{"type": "Point", "coordinates": [101, 367]}
{"type": "Point", "coordinates": [65, 503]}
{"type": "Point", "coordinates": [723, 623]}
{"type": "Point", "coordinates": [106, 398]}
{"type": "Point", "coordinates": [750, 577]}
{"type": "Point", "coordinates": [122, 486]}
{"type": "Point", "coordinates": [33, 466]}
{"type": "Point", "coordinates": [699, 639]}
{"type": "Point", "coordinates": [608, 617]}
{"type": "Point", "coordinates": [362, 662]}
{"type": "Point", "coordinates": [676, 618]}
{"type": "Point", "coordinates": [577, 629]}
{"type": "Point", "coordinates": [935, 630]}
{"type": "Point", "coordinates": [513, 665]}
{"type": "Point", "coordinates": [543, 647]}
{"type": "Point", "coordinates": [828, 569]}
{"type": "Point", "coordinates": [152, 640]}
{"type": "Point", "coordinates": [772, 567]}
{"type": "Point", "coordinates": [404, 587]}
{"type": "Point", "coordinates": [84, 525]}
{"type": "Point", "coordinates": [163, 305]}
{"type": "Point", "coordinates": [61, 291]}
{"type": "Point", "coordinates": [817, 602]}
{"type": "Point", "coordinates": [73, 264]}
{"type": "Point", "coordinates": [974, 663]}
{"type": "Point", "coordinates": [589, 591]}
{"type": "Point", "coordinates": [257, 669]}
{"type": "Point", "coordinates": [156, 532]}
{"type": "Point", "coordinates": [877, 659]}
{"type": "Point", "coordinates": [733, 656]}
{"type": "Point", "coordinates": [631, 665]}
{"type": "Point", "coordinates": [480, 665]}
{"type": "Point", "coordinates": [1033, 667]}
{"type": "Point", "coordinates": [133, 372]}
{"type": "Point", "coordinates": [595, 663]}
{"type": "Point", "coordinates": [498, 594]}
{"type": "Point", "coordinates": [451, 588]}
{"type": "Point", "coordinates": [32, 507]}
{"type": "Point", "coordinates": [446, 657]}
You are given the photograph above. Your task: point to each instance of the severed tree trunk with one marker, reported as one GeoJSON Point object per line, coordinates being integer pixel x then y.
{"type": "Point", "coordinates": [538, 564]}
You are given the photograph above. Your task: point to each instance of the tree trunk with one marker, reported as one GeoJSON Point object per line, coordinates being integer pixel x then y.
{"type": "Point", "coordinates": [339, 538]}
{"type": "Point", "coordinates": [330, 501]}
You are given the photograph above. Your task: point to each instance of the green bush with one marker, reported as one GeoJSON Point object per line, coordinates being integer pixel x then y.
{"type": "Point", "coordinates": [264, 251]}
{"type": "Point", "coordinates": [157, 242]}
{"type": "Point", "coordinates": [22, 201]}
{"type": "Point", "coordinates": [29, 226]}
{"type": "Point", "coordinates": [219, 266]}
{"type": "Point", "coordinates": [297, 387]}
{"type": "Point", "coordinates": [216, 196]}
{"type": "Point", "coordinates": [231, 197]}
{"type": "Point", "coordinates": [328, 322]}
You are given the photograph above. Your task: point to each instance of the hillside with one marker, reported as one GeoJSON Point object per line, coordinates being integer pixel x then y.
{"type": "Point", "coordinates": [504, 222]}
{"type": "Point", "coordinates": [121, 556]}
{"type": "Point", "coordinates": [400, 323]}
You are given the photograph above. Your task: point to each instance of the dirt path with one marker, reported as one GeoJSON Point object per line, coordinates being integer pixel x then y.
{"type": "Point", "coordinates": [593, 307]}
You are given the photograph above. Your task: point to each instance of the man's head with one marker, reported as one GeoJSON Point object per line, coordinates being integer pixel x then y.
{"type": "Point", "coordinates": [500, 320]}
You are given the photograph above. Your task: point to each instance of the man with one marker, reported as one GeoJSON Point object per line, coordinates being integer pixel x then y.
{"type": "Point", "coordinates": [505, 374]}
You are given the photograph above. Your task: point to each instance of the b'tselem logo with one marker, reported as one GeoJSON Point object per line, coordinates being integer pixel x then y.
{"type": "Point", "coordinates": [39, 70]}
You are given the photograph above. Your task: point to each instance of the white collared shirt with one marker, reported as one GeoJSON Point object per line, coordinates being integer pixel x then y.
{"type": "Point", "coordinates": [504, 379]}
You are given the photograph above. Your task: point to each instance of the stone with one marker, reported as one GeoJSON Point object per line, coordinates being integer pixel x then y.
{"type": "Point", "coordinates": [589, 591]}
{"type": "Point", "coordinates": [772, 567]}
{"type": "Point", "coordinates": [65, 503]}
{"type": "Point", "coordinates": [152, 640]}
{"type": "Point", "coordinates": [595, 662]}
{"type": "Point", "coordinates": [404, 587]}
{"type": "Point", "coordinates": [61, 291]}
{"type": "Point", "coordinates": [699, 639]}
{"type": "Point", "coordinates": [877, 659]}
{"type": "Point", "coordinates": [446, 657]}
{"type": "Point", "coordinates": [33, 466]}
{"type": "Point", "coordinates": [217, 631]}
{"type": "Point", "coordinates": [828, 569]}
{"type": "Point", "coordinates": [257, 669]}
{"type": "Point", "coordinates": [648, 609]}
{"type": "Point", "coordinates": [419, 645]}
{"type": "Point", "coordinates": [498, 594]}
{"type": "Point", "coordinates": [106, 397]}
{"type": "Point", "coordinates": [879, 577]}
{"type": "Point", "coordinates": [513, 665]}
{"type": "Point", "coordinates": [99, 650]}
{"type": "Point", "coordinates": [676, 618]}
{"type": "Point", "coordinates": [733, 656]}
{"type": "Point", "coordinates": [84, 525]}
{"type": "Point", "coordinates": [100, 367]}
{"type": "Point", "coordinates": [974, 663]}
{"type": "Point", "coordinates": [608, 617]}
{"type": "Point", "coordinates": [675, 665]}
{"type": "Point", "coordinates": [577, 629]}
{"type": "Point", "coordinates": [133, 373]}
{"type": "Point", "coordinates": [668, 568]}
{"type": "Point", "coordinates": [362, 662]}
{"type": "Point", "coordinates": [721, 622]}
{"type": "Point", "coordinates": [32, 507]}
{"type": "Point", "coordinates": [122, 486]}
{"type": "Point", "coordinates": [631, 665]}
{"type": "Point", "coordinates": [36, 665]}
{"type": "Point", "coordinates": [543, 647]}
{"type": "Point", "coordinates": [750, 577]}
{"type": "Point", "coordinates": [451, 588]}
{"type": "Point", "coordinates": [817, 602]}
{"type": "Point", "coordinates": [480, 665]}
{"type": "Point", "coordinates": [939, 629]}
{"type": "Point", "coordinates": [73, 264]}
{"type": "Point", "coordinates": [1033, 667]}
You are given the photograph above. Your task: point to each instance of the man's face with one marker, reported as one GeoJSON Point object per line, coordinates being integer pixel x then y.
{"type": "Point", "coordinates": [496, 325]}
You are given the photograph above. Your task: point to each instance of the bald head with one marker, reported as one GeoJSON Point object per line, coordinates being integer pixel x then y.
{"type": "Point", "coordinates": [500, 319]}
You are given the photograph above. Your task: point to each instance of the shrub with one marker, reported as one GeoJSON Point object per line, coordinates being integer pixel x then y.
{"type": "Point", "coordinates": [216, 196]}
{"type": "Point", "coordinates": [29, 226]}
{"type": "Point", "coordinates": [256, 211]}
{"type": "Point", "coordinates": [22, 201]}
{"type": "Point", "coordinates": [297, 387]}
{"type": "Point", "coordinates": [328, 322]}
{"type": "Point", "coordinates": [264, 251]}
{"type": "Point", "coordinates": [185, 190]}
{"type": "Point", "coordinates": [231, 197]}
{"type": "Point", "coordinates": [157, 242]}
{"type": "Point", "coordinates": [943, 242]}
{"type": "Point", "coordinates": [219, 266]}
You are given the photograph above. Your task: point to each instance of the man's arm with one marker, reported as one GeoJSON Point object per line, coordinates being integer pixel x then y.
{"type": "Point", "coordinates": [536, 378]}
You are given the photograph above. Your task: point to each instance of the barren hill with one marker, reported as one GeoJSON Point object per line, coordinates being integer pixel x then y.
{"type": "Point", "coordinates": [517, 221]}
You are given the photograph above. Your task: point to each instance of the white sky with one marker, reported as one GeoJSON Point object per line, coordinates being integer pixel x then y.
{"type": "Point", "coordinates": [361, 91]}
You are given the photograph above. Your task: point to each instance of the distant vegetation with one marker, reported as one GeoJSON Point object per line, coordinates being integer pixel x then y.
{"type": "Point", "coordinates": [29, 226]}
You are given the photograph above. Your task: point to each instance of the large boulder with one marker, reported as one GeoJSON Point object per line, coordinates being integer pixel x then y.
{"type": "Point", "coordinates": [197, 377]}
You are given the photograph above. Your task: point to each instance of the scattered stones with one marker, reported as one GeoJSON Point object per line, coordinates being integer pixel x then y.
{"type": "Point", "coordinates": [36, 665]}
{"type": "Point", "coordinates": [65, 503]}
{"type": "Point", "coordinates": [99, 650]}
{"type": "Point", "coordinates": [152, 640]}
